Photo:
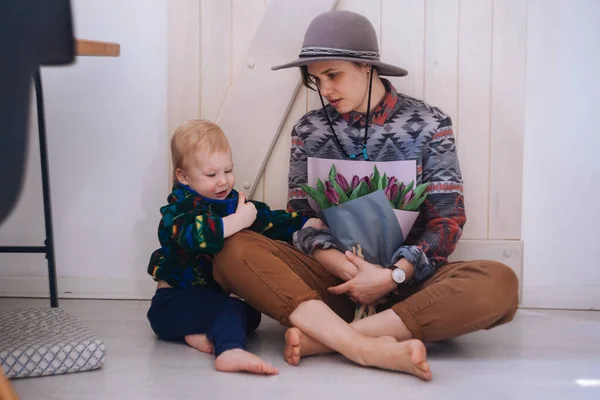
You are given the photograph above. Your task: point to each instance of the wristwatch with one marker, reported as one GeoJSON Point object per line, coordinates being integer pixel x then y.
{"type": "Point", "coordinates": [398, 275]}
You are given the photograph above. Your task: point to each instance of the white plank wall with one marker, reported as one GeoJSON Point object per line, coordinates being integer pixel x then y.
{"type": "Point", "coordinates": [402, 43]}
{"type": "Point", "coordinates": [466, 57]}
{"type": "Point", "coordinates": [441, 57]}
{"type": "Point", "coordinates": [215, 55]}
{"type": "Point", "coordinates": [474, 72]}
{"type": "Point", "coordinates": [184, 61]}
{"type": "Point", "coordinates": [507, 118]}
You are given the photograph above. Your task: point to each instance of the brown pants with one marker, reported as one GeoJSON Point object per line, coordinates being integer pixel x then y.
{"type": "Point", "coordinates": [275, 278]}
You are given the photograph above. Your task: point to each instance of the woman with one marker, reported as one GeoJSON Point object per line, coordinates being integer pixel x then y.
{"type": "Point", "coordinates": [421, 297]}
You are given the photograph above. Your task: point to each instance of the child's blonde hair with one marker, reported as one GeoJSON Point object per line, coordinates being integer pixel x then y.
{"type": "Point", "coordinates": [193, 135]}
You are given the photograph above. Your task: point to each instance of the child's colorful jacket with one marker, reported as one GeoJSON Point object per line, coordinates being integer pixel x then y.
{"type": "Point", "coordinates": [191, 233]}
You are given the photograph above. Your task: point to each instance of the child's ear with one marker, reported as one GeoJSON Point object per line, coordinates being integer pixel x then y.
{"type": "Point", "coordinates": [181, 176]}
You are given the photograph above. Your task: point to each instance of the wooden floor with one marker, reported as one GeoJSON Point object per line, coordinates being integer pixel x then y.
{"type": "Point", "coordinates": [540, 355]}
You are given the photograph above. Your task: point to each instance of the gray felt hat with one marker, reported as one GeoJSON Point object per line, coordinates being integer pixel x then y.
{"type": "Point", "coordinates": [342, 35]}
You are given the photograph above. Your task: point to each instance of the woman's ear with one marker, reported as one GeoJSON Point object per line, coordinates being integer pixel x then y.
{"type": "Point", "coordinates": [181, 176]}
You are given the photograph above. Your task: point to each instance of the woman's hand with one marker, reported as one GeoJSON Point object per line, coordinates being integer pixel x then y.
{"type": "Point", "coordinates": [336, 262]}
{"type": "Point", "coordinates": [370, 284]}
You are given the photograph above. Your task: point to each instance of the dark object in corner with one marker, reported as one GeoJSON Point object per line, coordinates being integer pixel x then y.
{"type": "Point", "coordinates": [32, 33]}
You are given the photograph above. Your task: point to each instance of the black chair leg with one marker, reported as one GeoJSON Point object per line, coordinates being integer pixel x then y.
{"type": "Point", "coordinates": [39, 96]}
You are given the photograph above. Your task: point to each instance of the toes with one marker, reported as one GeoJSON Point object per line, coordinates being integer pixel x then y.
{"type": "Point", "coordinates": [422, 370]}
{"type": "Point", "coordinates": [292, 351]}
{"type": "Point", "coordinates": [424, 366]}
{"type": "Point", "coordinates": [292, 337]}
{"type": "Point", "coordinates": [427, 376]}
{"type": "Point", "coordinates": [288, 352]}
{"type": "Point", "coordinates": [262, 368]}
{"type": "Point", "coordinates": [270, 370]}
{"type": "Point", "coordinates": [292, 360]}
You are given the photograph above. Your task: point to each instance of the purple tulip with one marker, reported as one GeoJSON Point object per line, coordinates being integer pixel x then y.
{"type": "Point", "coordinates": [341, 180]}
{"type": "Point", "coordinates": [392, 180]}
{"type": "Point", "coordinates": [391, 192]}
{"type": "Point", "coordinates": [388, 193]}
{"type": "Point", "coordinates": [355, 182]}
{"type": "Point", "coordinates": [331, 194]}
{"type": "Point", "coordinates": [407, 198]}
{"type": "Point", "coordinates": [367, 180]}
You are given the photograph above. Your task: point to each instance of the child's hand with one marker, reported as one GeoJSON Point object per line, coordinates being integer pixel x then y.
{"type": "Point", "coordinates": [246, 212]}
{"type": "Point", "coordinates": [315, 223]}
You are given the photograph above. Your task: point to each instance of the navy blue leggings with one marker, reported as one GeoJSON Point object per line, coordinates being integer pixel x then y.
{"type": "Point", "coordinates": [176, 313]}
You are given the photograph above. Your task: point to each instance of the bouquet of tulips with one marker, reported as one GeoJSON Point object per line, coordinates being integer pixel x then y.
{"type": "Point", "coordinates": [336, 190]}
{"type": "Point", "coordinates": [370, 215]}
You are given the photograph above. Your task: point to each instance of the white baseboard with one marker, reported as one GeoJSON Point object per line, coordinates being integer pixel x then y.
{"type": "Point", "coordinates": [80, 288]}
{"type": "Point", "coordinates": [506, 251]}
{"type": "Point", "coordinates": [562, 297]}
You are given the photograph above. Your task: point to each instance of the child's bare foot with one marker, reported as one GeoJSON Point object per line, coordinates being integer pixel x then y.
{"type": "Point", "coordinates": [236, 360]}
{"type": "Point", "coordinates": [409, 356]}
{"type": "Point", "coordinates": [200, 342]}
{"type": "Point", "coordinates": [298, 345]}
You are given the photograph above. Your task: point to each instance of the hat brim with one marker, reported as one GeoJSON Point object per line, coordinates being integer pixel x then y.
{"type": "Point", "coordinates": [382, 68]}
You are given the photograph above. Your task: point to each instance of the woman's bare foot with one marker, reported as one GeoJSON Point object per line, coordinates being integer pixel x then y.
{"type": "Point", "coordinates": [200, 342]}
{"type": "Point", "coordinates": [236, 360]}
{"type": "Point", "coordinates": [298, 345]}
{"type": "Point", "coordinates": [409, 356]}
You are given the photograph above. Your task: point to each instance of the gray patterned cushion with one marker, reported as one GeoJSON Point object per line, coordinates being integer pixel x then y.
{"type": "Point", "coordinates": [46, 341]}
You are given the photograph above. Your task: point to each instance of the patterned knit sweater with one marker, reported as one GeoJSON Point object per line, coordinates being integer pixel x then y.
{"type": "Point", "coordinates": [401, 128]}
{"type": "Point", "coordinates": [191, 233]}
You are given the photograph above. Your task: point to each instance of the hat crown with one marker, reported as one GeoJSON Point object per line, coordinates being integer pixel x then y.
{"type": "Point", "coordinates": [342, 35]}
{"type": "Point", "coordinates": [341, 30]}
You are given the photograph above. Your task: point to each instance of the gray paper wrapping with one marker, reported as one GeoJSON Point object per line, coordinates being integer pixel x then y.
{"type": "Point", "coordinates": [368, 221]}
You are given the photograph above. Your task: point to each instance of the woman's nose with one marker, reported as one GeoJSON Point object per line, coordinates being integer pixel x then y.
{"type": "Point", "coordinates": [325, 88]}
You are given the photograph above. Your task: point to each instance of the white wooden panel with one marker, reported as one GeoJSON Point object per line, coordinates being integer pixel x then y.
{"type": "Point", "coordinates": [276, 172]}
{"type": "Point", "coordinates": [215, 56]}
{"type": "Point", "coordinates": [254, 109]}
{"type": "Point", "coordinates": [507, 119]}
{"type": "Point", "coordinates": [184, 61]}
{"type": "Point", "coordinates": [441, 56]}
{"type": "Point", "coordinates": [260, 191]}
{"type": "Point", "coordinates": [183, 65]}
{"type": "Point", "coordinates": [402, 43]}
{"type": "Point", "coordinates": [245, 19]}
{"type": "Point", "coordinates": [474, 70]}
{"type": "Point", "coordinates": [508, 252]}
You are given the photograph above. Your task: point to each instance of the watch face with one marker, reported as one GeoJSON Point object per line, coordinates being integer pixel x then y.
{"type": "Point", "coordinates": [399, 275]}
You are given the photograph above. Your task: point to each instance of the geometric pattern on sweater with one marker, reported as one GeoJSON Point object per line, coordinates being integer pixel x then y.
{"type": "Point", "coordinates": [401, 128]}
